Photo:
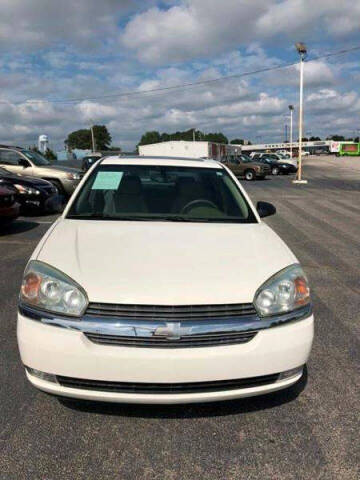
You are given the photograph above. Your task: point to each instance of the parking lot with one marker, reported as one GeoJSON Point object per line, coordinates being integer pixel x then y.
{"type": "Point", "coordinates": [311, 435]}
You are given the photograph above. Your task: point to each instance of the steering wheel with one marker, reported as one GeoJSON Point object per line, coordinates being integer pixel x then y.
{"type": "Point", "coordinates": [201, 201]}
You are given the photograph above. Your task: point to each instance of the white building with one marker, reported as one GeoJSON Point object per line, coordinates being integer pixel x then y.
{"type": "Point", "coordinates": [187, 149]}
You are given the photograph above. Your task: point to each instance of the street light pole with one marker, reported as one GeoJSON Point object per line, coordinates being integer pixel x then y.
{"type": "Point", "coordinates": [92, 138]}
{"type": "Point", "coordinates": [291, 108]}
{"type": "Point", "coordinates": [301, 48]}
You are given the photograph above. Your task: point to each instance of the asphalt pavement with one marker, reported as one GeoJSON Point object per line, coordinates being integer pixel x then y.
{"type": "Point", "coordinates": [312, 433]}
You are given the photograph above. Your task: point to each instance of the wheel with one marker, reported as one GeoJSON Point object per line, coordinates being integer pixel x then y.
{"type": "Point", "coordinates": [275, 170]}
{"type": "Point", "coordinates": [249, 175]}
{"type": "Point", "coordinates": [58, 185]}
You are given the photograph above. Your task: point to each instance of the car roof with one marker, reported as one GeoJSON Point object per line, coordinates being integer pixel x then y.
{"type": "Point", "coordinates": [164, 161]}
{"type": "Point", "coordinates": [11, 146]}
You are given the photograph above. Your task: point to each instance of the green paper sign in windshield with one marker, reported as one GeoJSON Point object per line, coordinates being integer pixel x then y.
{"type": "Point", "coordinates": [107, 181]}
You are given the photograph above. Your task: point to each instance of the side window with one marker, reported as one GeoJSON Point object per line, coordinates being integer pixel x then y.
{"type": "Point", "coordinates": [8, 157]}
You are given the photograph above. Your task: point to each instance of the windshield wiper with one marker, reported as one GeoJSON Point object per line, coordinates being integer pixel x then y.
{"type": "Point", "coordinates": [148, 218]}
{"type": "Point", "coordinates": [97, 216]}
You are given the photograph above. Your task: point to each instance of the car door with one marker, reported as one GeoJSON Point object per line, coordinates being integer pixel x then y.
{"type": "Point", "coordinates": [14, 162]}
{"type": "Point", "coordinates": [232, 163]}
{"type": "Point", "coordinates": [235, 166]}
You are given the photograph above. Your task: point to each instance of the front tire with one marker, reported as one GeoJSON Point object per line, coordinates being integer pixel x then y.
{"type": "Point", "coordinates": [250, 175]}
{"type": "Point", "coordinates": [59, 187]}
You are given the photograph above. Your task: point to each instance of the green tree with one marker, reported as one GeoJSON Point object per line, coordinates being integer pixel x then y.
{"type": "Point", "coordinates": [314, 139]}
{"type": "Point", "coordinates": [50, 155]}
{"type": "Point", "coordinates": [216, 137]}
{"type": "Point", "coordinates": [188, 135]}
{"type": "Point", "coordinates": [79, 139]}
{"type": "Point", "coordinates": [150, 137]}
{"type": "Point", "coordinates": [82, 138]}
{"type": "Point", "coordinates": [336, 138]}
{"type": "Point", "coordinates": [237, 141]}
{"type": "Point", "coordinates": [102, 137]}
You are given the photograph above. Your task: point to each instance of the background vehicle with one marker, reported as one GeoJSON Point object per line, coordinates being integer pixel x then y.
{"type": "Point", "coordinates": [278, 166]}
{"type": "Point", "coordinates": [276, 157]}
{"type": "Point", "coordinates": [32, 193]}
{"type": "Point", "coordinates": [27, 162]}
{"type": "Point", "coordinates": [320, 151]}
{"type": "Point", "coordinates": [244, 166]}
{"type": "Point", "coordinates": [284, 153]}
{"type": "Point", "coordinates": [89, 160]}
{"type": "Point", "coordinates": [349, 149]}
{"type": "Point", "coordinates": [9, 208]}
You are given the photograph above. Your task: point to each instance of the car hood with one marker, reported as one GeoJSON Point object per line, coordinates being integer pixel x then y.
{"type": "Point", "coordinates": [166, 263]}
{"type": "Point", "coordinates": [61, 168]}
{"type": "Point", "coordinates": [24, 180]}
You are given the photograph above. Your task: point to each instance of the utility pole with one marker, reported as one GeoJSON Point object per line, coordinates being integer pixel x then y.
{"type": "Point", "coordinates": [291, 108]}
{"type": "Point", "coordinates": [193, 134]}
{"type": "Point", "coordinates": [93, 138]}
{"type": "Point", "coordinates": [301, 48]}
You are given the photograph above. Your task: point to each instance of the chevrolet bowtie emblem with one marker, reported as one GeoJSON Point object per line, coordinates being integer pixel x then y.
{"type": "Point", "coordinates": [172, 331]}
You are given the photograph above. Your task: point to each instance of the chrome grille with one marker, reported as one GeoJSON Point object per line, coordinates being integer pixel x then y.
{"type": "Point", "coordinates": [198, 340]}
{"type": "Point", "coordinates": [175, 312]}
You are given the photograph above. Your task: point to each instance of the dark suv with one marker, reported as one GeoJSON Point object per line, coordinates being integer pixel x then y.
{"type": "Point", "coordinates": [244, 166]}
{"type": "Point", "coordinates": [277, 166]}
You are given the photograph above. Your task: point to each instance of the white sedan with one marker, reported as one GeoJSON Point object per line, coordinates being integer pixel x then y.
{"type": "Point", "coordinates": [160, 283]}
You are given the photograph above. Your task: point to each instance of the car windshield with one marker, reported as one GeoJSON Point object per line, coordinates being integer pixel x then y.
{"type": "Point", "coordinates": [245, 159]}
{"type": "Point", "coordinates": [36, 158]}
{"type": "Point", "coordinates": [165, 193]}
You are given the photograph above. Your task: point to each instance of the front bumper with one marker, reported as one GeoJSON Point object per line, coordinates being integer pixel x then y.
{"type": "Point", "coordinates": [45, 203]}
{"type": "Point", "coordinates": [69, 186]}
{"type": "Point", "coordinates": [70, 353]}
{"type": "Point", "coordinates": [9, 212]}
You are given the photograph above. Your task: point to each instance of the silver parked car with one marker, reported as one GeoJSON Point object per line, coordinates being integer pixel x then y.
{"type": "Point", "coordinates": [27, 162]}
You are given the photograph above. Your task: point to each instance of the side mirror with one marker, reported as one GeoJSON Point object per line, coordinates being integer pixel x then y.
{"type": "Point", "coordinates": [265, 209]}
{"type": "Point", "coordinates": [24, 163]}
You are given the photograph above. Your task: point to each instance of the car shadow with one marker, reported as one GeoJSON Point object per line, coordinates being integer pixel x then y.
{"type": "Point", "coordinates": [16, 227]}
{"type": "Point", "coordinates": [195, 410]}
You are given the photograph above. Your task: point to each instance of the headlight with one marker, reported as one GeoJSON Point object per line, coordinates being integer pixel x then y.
{"type": "Point", "coordinates": [47, 288]}
{"type": "Point", "coordinates": [26, 190]}
{"type": "Point", "coordinates": [283, 292]}
{"type": "Point", "coordinates": [73, 176]}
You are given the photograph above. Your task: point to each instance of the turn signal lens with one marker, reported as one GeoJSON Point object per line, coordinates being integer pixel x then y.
{"type": "Point", "coordinates": [30, 286]}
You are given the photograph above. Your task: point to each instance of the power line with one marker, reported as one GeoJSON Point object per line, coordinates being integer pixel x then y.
{"type": "Point", "coordinates": [186, 85]}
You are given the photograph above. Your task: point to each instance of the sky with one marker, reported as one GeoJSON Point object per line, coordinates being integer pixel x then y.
{"type": "Point", "coordinates": [97, 52]}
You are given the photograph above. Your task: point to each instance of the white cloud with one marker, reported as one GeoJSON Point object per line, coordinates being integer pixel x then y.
{"type": "Point", "coordinates": [192, 29]}
{"type": "Point", "coordinates": [328, 100]}
{"type": "Point", "coordinates": [201, 28]}
{"type": "Point", "coordinates": [35, 24]}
